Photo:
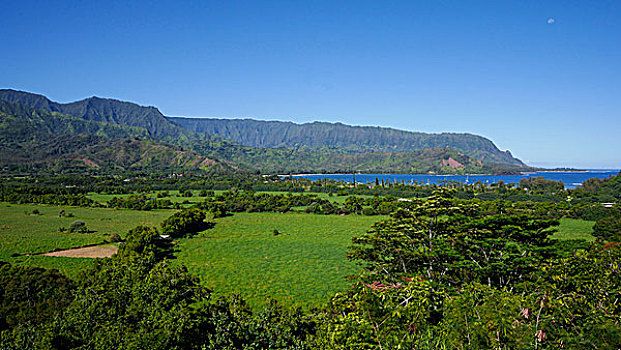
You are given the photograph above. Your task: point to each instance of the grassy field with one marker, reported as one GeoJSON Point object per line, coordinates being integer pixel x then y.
{"type": "Point", "coordinates": [22, 232]}
{"type": "Point", "coordinates": [575, 229]}
{"type": "Point", "coordinates": [305, 264]}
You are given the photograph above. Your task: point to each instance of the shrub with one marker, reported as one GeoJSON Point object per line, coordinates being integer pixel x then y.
{"type": "Point", "coordinates": [186, 221]}
{"type": "Point", "coordinates": [78, 226]}
{"type": "Point", "coordinates": [608, 228]}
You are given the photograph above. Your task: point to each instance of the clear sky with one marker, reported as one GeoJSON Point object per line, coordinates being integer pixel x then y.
{"type": "Point", "coordinates": [540, 78]}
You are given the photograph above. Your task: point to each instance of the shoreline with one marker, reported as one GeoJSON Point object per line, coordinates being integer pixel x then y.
{"type": "Point", "coordinates": [485, 174]}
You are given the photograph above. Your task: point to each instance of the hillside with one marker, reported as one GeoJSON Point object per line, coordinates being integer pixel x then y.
{"type": "Point", "coordinates": [81, 152]}
{"type": "Point", "coordinates": [340, 137]}
{"type": "Point", "coordinates": [38, 139]}
{"type": "Point", "coordinates": [33, 123]}
{"type": "Point", "coordinates": [105, 110]}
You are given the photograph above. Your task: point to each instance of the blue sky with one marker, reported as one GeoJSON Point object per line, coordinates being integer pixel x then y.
{"type": "Point", "coordinates": [540, 78]}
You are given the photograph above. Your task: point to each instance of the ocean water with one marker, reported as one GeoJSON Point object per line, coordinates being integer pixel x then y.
{"type": "Point", "coordinates": [570, 179]}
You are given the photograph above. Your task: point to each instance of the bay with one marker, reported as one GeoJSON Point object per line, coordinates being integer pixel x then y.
{"type": "Point", "coordinates": [571, 179]}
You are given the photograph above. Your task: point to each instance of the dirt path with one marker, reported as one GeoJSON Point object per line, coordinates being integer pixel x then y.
{"type": "Point", "coordinates": [98, 251]}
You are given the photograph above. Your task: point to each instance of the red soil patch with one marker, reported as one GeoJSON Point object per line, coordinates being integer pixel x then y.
{"type": "Point", "coordinates": [452, 163]}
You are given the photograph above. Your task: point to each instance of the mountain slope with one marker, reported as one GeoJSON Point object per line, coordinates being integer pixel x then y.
{"type": "Point", "coordinates": [37, 139]}
{"type": "Point", "coordinates": [346, 138]}
{"type": "Point", "coordinates": [28, 119]}
{"type": "Point", "coordinates": [20, 122]}
{"type": "Point", "coordinates": [74, 152]}
{"type": "Point", "coordinates": [105, 110]}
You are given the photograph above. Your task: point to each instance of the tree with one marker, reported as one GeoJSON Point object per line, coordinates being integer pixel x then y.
{"type": "Point", "coordinates": [452, 242]}
{"type": "Point", "coordinates": [185, 222]}
{"type": "Point", "coordinates": [608, 228]}
{"type": "Point", "coordinates": [31, 295]}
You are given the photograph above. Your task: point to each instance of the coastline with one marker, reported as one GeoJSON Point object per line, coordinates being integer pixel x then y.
{"type": "Point", "coordinates": [467, 174]}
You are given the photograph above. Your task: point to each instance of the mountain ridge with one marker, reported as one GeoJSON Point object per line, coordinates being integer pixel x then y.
{"type": "Point", "coordinates": [325, 148]}
{"type": "Point", "coordinates": [343, 137]}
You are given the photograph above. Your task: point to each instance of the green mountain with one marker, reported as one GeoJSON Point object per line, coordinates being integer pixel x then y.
{"type": "Point", "coordinates": [38, 139]}
{"type": "Point", "coordinates": [105, 110]}
{"type": "Point", "coordinates": [35, 129]}
{"type": "Point", "coordinates": [337, 137]}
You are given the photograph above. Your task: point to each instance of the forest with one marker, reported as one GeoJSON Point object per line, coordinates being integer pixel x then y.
{"type": "Point", "coordinates": [438, 267]}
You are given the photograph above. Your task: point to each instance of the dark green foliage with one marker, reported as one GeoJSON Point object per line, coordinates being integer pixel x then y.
{"type": "Point", "coordinates": [124, 303]}
{"type": "Point", "coordinates": [453, 243]}
{"type": "Point", "coordinates": [139, 202]}
{"type": "Point", "coordinates": [540, 185]}
{"type": "Point", "coordinates": [31, 295]}
{"type": "Point", "coordinates": [600, 190]}
{"type": "Point", "coordinates": [145, 242]}
{"type": "Point", "coordinates": [185, 222]}
{"type": "Point", "coordinates": [25, 193]}
{"type": "Point", "coordinates": [608, 228]}
{"type": "Point", "coordinates": [78, 226]}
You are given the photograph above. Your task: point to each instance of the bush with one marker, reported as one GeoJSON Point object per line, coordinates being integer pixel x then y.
{"type": "Point", "coordinates": [186, 221]}
{"type": "Point", "coordinates": [115, 237]}
{"type": "Point", "coordinates": [368, 211]}
{"type": "Point", "coordinates": [608, 228]}
{"type": "Point", "coordinates": [78, 226]}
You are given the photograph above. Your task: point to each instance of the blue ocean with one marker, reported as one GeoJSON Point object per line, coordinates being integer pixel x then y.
{"type": "Point", "coordinates": [570, 179]}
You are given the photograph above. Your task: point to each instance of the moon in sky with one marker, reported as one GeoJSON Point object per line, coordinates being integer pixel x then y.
{"type": "Point", "coordinates": [550, 20]}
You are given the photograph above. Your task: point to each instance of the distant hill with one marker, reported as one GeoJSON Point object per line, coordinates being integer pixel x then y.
{"type": "Point", "coordinates": [337, 137]}
{"type": "Point", "coordinates": [123, 135]}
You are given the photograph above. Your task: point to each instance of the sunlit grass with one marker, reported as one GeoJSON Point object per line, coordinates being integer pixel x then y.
{"type": "Point", "coordinates": [575, 229]}
{"type": "Point", "coordinates": [305, 264]}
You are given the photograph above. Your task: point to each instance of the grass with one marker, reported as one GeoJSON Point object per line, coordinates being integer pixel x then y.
{"type": "Point", "coordinates": [574, 229]}
{"type": "Point", "coordinates": [305, 264]}
{"type": "Point", "coordinates": [23, 233]}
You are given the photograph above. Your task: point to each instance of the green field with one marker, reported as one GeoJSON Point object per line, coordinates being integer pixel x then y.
{"type": "Point", "coordinates": [22, 232]}
{"type": "Point", "coordinates": [575, 229]}
{"type": "Point", "coordinates": [304, 264]}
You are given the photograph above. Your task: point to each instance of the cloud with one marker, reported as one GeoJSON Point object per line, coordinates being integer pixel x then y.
{"type": "Point", "coordinates": [550, 20]}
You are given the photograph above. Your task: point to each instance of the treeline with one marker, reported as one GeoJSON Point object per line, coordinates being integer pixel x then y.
{"type": "Point", "coordinates": [542, 196]}
{"type": "Point", "coordinates": [45, 195]}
